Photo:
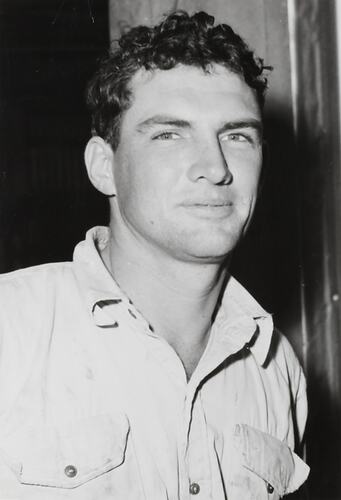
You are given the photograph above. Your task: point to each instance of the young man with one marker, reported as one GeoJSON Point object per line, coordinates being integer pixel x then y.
{"type": "Point", "coordinates": [143, 370]}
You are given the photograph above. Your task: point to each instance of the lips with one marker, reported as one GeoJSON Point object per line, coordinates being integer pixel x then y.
{"type": "Point", "coordinates": [209, 208]}
{"type": "Point", "coordinates": [208, 203]}
{"type": "Point", "coordinates": [211, 204]}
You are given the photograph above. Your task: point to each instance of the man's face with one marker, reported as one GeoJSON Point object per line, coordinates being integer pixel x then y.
{"type": "Point", "coordinates": [188, 162]}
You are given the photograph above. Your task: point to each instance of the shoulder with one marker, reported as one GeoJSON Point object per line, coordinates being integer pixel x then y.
{"type": "Point", "coordinates": [288, 365]}
{"type": "Point", "coordinates": [281, 349]}
{"type": "Point", "coordinates": [282, 355]}
{"type": "Point", "coordinates": [34, 272]}
{"type": "Point", "coordinates": [32, 281]}
{"type": "Point", "coordinates": [26, 293]}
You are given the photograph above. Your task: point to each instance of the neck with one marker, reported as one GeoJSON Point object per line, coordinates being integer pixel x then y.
{"type": "Point", "coordinates": [178, 298]}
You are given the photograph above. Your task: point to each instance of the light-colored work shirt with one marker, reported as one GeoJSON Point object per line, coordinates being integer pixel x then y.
{"type": "Point", "coordinates": [94, 405]}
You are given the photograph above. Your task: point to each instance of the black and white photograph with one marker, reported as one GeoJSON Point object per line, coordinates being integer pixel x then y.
{"type": "Point", "coordinates": [170, 249]}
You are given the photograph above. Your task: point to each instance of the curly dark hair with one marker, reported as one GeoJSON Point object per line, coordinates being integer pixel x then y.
{"type": "Point", "coordinates": [179, 39]}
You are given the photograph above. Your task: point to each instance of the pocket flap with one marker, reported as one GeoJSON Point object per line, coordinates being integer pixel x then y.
{"type": "Point", "coordinates": [70, 455]}
{"type": "Point", "coordinates": [271, 459]}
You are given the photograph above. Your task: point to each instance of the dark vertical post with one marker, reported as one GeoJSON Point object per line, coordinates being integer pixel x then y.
{"type": "Point", "coordinates": [319, 175]}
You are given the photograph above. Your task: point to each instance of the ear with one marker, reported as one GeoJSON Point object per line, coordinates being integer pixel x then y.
{"type": "Point", "coordinates": [99, 161]}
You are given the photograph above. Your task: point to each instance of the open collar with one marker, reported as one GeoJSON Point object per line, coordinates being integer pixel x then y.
{"type": "Point", "coordinates": [243, 321]}
{"type": "Point", "coordinates": [240, 319]}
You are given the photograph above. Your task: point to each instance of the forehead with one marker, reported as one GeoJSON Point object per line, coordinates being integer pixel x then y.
{"type": "Point", "coordinates": [188, 89]}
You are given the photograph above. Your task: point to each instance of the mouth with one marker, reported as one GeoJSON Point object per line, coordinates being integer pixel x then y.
{"type": "Point", "coordinates": [210, 209]}
{"type": "Point", "coordinates": [213, 204]}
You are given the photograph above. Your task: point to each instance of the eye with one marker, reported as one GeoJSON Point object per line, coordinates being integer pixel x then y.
{"type": "Point", "coordinates": [238, 138]}
{"type": "Point", "coordinates": [235, 137]}
{"type": "Point", "coordinates": [166, 136]}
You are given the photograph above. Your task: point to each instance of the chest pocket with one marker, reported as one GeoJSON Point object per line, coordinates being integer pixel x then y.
{"type": "Point", "coordinates": [274, 469]}
{"type": "Point", "coordinates": [71, 455]}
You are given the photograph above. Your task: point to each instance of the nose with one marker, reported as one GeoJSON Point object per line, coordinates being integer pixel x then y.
{"type": "Point", "coordinates": [210, 164]}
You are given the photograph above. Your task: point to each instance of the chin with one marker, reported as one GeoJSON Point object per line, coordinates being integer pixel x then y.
{"type": "Point", "coordinates": [208, 244]}
{"type": "Point", "coordinates": [212, 252]}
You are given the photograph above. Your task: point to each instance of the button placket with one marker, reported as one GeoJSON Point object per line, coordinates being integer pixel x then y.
{"type": "Point", "coordinates": [198, 451]}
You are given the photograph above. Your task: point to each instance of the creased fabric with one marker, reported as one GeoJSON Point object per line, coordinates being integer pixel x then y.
{"type": "Point", "coordinates": [95, 405]}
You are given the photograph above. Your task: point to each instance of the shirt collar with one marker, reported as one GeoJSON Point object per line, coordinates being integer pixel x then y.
{"type": "Point", "coordinates": [105, 299]}
{"type": "Point", "coordinates": [99, 284]}
{"type": "Point", "coordinates": [243, 321]}
{"type": "Point", "coordinates": [240, 319]}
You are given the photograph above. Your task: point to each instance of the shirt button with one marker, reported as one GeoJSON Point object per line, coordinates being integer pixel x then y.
{"type": "Point", "coordinates": [270, 488]}
{"type": "Point", "coordinates": [194, 489]}
{"type": "Point", "coordinates": [70, 471]}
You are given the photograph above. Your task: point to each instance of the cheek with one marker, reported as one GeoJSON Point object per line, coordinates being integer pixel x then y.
{"type": "Point", "coordinates": [248, 186]}
{"type": "Point", "coordinates": [147, 180]}
{"type": "Point", "coordinates": [247, 175]}
{"type": "Point", "coordinates": [138, 194]}
{"type": "Point", "coordinates": [129, 176]}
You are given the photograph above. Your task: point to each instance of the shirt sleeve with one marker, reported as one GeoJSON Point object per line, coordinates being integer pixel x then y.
{"type": "Point", "coordinates": [293, 372]}
{"type": "Point", "coordinates": [301, 405]}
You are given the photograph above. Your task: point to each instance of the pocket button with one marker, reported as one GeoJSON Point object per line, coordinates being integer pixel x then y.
{"type": "Point", "coordinates": [194, 489]}
{"type": "Point", "coordinates": [70, 471]}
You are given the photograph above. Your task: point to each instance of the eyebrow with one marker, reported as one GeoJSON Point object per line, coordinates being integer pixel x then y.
{"type": "Point", "coordinates": [175, 122]}
{"type": "Point", "coordinates": [163, 120]}
{"type": "Point", "coordinates": [241, 124]}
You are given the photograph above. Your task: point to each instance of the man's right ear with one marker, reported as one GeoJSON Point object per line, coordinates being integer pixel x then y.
{"type": "Point", "coordinates": [99, 161]}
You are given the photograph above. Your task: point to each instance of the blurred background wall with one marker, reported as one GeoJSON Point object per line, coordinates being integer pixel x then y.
{"type": "Point", "coordinates": [291, 258]}
{"type": "Point", "coordinates": [48, 50]}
